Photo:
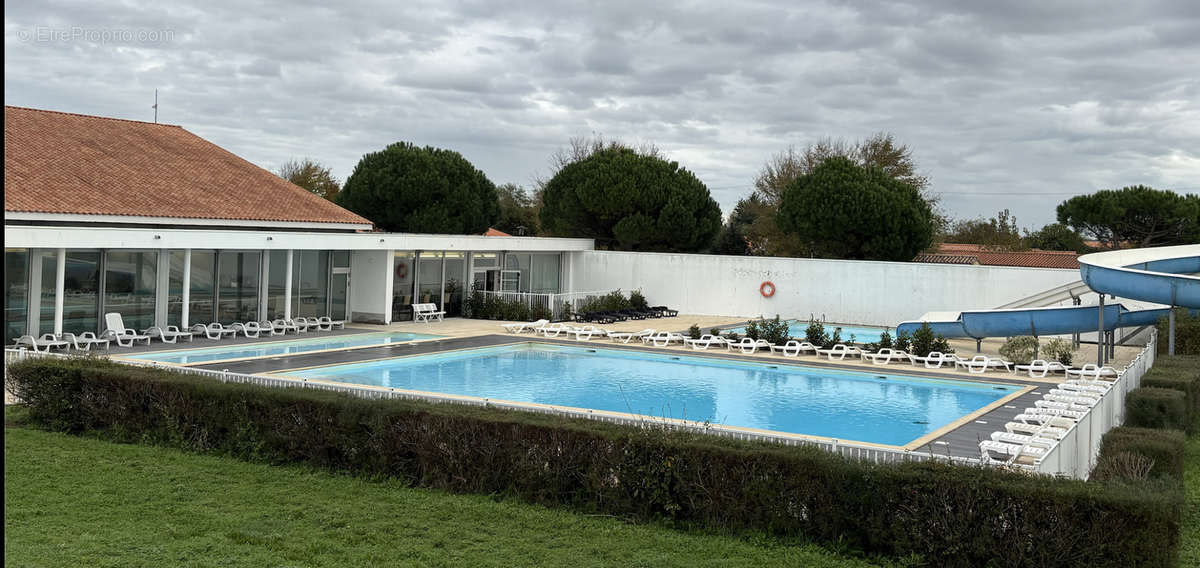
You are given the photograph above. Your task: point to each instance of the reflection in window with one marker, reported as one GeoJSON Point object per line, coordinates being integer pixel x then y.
{"type": "Point", "coordinates": [175, 288]}
{"type": "Point", "coordinates": [310, 287]}
{"type": "Point", "coordinates": [202, 296]}
{"type": "Point", "coordinates": [129, 282]}
{"type": "Point", "coordinates": [403, 273]}
{"type": "Point", "coordinates": [276, 284]}
{"type": "Point", "coordinates": [429, 278]}
{"type": "Point", "coordinates": [49, 281]}
{"type": "Point", "coordinates": [16, 293]}
{"type": "Point", "coordinates": [456, 266]}
{"type": "Point", "coordinates": [81, 292]}
{"type": "Point", "coordinates": [237, 290]}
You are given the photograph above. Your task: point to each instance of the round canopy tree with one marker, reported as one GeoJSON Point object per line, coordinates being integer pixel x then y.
{"type": "Point", "coordinates": [841, 210]}
{"type": "Point", "coordinates": [404, 188]}
{"type": "Point", "coordinates": [630, 201]}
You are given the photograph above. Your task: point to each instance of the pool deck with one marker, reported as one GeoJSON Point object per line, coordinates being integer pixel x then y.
{"type": "Point", "coordinates": [960, 439]}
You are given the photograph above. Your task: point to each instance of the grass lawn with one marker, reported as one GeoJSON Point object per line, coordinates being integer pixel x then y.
{"type": "Point", "coordinates": [73, 501]}
{"type": "Point", "coordinates": [1189, 553]}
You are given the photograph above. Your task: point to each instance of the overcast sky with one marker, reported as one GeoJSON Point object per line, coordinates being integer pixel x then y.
{"type": "Point", "coordinates": [1015, 104]}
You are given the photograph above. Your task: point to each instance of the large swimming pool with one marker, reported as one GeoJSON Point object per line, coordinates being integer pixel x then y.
{"type": "Point", "coordinates": [868, 407]}
{"type": "Point", "coordinates": [283, 347]}
{"type": "Point", "coordinates": [796, 328]}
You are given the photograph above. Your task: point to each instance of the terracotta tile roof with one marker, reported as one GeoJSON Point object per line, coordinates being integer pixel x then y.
{"type": "Point", "coordinates": [56, 162]}
{"type": "Point", "coordinates": [958, 253]}
{"type": "Point", "coordinates": [494, 232]}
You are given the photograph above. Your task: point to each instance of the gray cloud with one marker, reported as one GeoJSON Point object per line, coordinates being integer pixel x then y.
{"type": "Point", "coordinates": [1044, 99]}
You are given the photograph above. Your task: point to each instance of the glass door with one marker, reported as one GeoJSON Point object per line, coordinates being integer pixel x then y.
{"type": "Point", "coordinates": [339, 296]}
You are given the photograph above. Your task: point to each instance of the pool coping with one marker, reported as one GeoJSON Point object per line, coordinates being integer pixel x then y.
{"type": "Point", "coordinates": [919, 442]}
{"type": "Point", "coordinates": [273, 342]}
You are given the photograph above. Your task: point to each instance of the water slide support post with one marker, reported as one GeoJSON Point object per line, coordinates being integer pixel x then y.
{"type": "Point", "coordinates": [1100, 335]}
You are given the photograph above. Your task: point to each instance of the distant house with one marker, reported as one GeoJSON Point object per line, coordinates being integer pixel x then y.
{"type": "Point", "coordinates": [956, 253]}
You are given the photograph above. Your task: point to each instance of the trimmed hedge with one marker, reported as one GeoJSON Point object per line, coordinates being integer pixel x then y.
{"type": "Point", "coordinates": [1151, 407]}
{"type": "Point", "coordinates": [950, 515]}
{"type": "Point", "coordinates": [1187, 333]}
{"type": "Point", "coordinates": [1165, 447]}
{"type": "Point", "coordinates": [1190, 387]}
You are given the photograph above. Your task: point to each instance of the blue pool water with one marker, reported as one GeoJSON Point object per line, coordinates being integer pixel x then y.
{"type": "Point", "coordinates": [283, 347]}
{"type": "Point", "coordinates": [796, 328]}
{"type": "Point", "coordinates": [787, 398]}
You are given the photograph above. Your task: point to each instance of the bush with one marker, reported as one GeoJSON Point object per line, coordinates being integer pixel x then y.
{"type": "Point", "coordinates": [1019, 350]}
{"type": "Point", "coordinates": [1165, 450]}
{"type": "Point", "coordinates": [694, 331]}
{"type": "Point", "coordinates": [885, 342]}
{"type": "Point", "coordinates": [774, 331]}
{"type": "Point", "coordinates": [1189, 386]}
{"type": "Point", "coordinates": [1151, 407]}
{"type": "Point", "coordinates": [903, 341]}
{"type": "Point", "coordinates": [1060, 350]}
{"type": "Point", "coordinates": [1187, 333]}
{"type": "Point", "coordinates": [831, 340]}
{"type": "Point", "coordinates": [611, 302]}
{"type": "Point", "coordinates": [815, 333]}
{"type": "Point", "coordinates": [637, 300]}
{"type": "Point", "coordinates": [951, 515]}
{"type": "Point", "coordinates": [752, 330]}
{"type": "Point", "coordinates": [924, 342]}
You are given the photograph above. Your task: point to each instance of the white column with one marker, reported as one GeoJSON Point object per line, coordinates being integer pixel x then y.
{"type": "Point", "coordinates": [33, 318]}
{"type": "Point", "coordinates": [162, 288]}
{"type": "Point", "coordinates": [264, 278]}
{"type": "Point", "coordinates": [60, 281]}
{"type": "Point", "coordinates": [287, 288]}
{"type": "Point", "coordinates": [187, 289]}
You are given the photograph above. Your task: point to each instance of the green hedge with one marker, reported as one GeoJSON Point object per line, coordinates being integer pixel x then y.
{"type": "Point", "coordinates": [1188, 386]}
{"type": "Point", "coordinates": [950, 515]}
{"type": "Point", "coordinates": [1151, 407]}
{"type": "Point", "coordinates": [1187, 333]}
{"type": "Point", "coordinates": [1165, 448]}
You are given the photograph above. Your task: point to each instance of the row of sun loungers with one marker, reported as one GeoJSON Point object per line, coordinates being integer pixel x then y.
{"type": "Point", "coordinates": [128, 337]}
{"type": "Point", "coordinates": [1034, 432]}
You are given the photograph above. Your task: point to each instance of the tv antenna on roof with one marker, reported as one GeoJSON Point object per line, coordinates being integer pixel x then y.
{"type": "Point", "coordinates": [155, 107]}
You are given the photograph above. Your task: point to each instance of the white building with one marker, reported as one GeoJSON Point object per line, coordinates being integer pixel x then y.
{"type": "Point", "coordinates": [149, 220]}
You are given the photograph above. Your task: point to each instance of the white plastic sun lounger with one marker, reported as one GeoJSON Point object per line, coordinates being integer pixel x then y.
{"type": "Point", "coordinates": [1039, 367]}
{"type": "Point", "coordinates": [838, 350]}
{"type": "Point", "coordinates": [555, 329]}
{"type": "Point", "coordinates": [84, 341]}
{"type": "Point", "coordinates": [1045, 420]}
{"type": "Point", "coordinates": [124, 336]}
{"type": "Point", "coordinates": [627, 336]}
{"type": "Point", "coordinates": [523, 326]}
{"type": "Point", "coordinates": [794, 348]}
{"type": "Point", "coordinates": [1014, 451]}
{"type": "Point", "coordinates": [884, 356]}
{"type": "Point", "coordinates": [248, 329]}
{"type": "Point", "coordinates": [748, 346]}
{"type": "Point", "coordinates": [586, 332]}
{"type": "Point", "coordinates": [663, 338]}
{"type": "Point", "coordinates": [282, 326]}
{"type": "Point", "coordinates": [268, 328]}
{"type": "Point", "coordinates": [327, 323]}
{"type": "Point", "coordinates": [1091, 371]}
{"type": "Point", "coordinates": [214, 330]}
{"type": "Point", "coordinates": [168, 334]}
{"type": "Point", "coordinates": [1023, 439]}
{"type": "Point", "coordinates": [980, 364]}
{"type": "Point", "coordinates": [1027, 429]}
{"type": "Point", "coordinates": [704, 342]}
{"type": "Point", "coordinates": [43, 343]}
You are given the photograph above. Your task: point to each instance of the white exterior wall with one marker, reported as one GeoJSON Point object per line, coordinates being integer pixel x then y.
{"type": "Point", "coordinates": [844, 291]}
{"type": "Point", "coordinates": [371, 286]}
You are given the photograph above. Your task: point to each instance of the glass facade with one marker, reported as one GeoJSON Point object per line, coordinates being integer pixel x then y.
{"type": "Point", "coordinates": [238, 286]}
{"type": "Point", "coordinates": [429, 278]}
{"type": "Point", "coordinates": [16, 293]}
{"type": "Point", "coordinates": [310, 285]}
{"type": "Point", "coordinates": [81, 293]}
{"type": "Point", "coordinates": [175, 288]}
{"type": "Point", "coordinates": [202, 295]}
{"type": "Point", "coordinates": [403, 276]}
{"type": "Point", "coordinates": [130, 278]}
{"type": "Point", "coordinates": [456, 278]}
{"type": "Point", "coordinates": [276, 284]}
{"type": "Point", "coordinates": [44, 263]}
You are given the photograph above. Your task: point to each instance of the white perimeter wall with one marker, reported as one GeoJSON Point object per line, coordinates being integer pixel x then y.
{"type": "Point", "coordinates": [371, 286]}
{"type": "Point", "coordinates": [845, 291]}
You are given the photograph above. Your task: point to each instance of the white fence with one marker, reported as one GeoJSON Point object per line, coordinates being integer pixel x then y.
{"type": "Point", "coordinates": [1075, 455]}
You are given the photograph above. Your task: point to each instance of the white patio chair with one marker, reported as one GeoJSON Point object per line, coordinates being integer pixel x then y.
{"type": "Point", "coordinates": [169, 334]}
{"type": "Point", "coordinates": [627, 336]}
{"type": "Point", "coordinates": [125, 336]}
{"type": "Point", "coordinates": [213, 330]}
{"type": "Point", "coordinates": [43, 344]}
{"type": "Point", "coordinates": [328, 323]}
{"type": "Point", "coordinates": [249, 329]}
{"type": "Point", "coordinates": [83, 341]}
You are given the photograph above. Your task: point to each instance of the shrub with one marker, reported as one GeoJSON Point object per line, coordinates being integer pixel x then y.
{"type": "Point", "coordinates": [752, 330]}
{"type": "Point", "coordinates": [952, 515]}
{"type": "Point", "coordinates": [1189, 386]}
{"type": "Point", "coordinates": [924, 342]}
{"type": "Point", "coordinates": [815, 333]}
{"type": "Point", "coordinates": [885, 342]}
{"type": "Point", "coordinates": [1164, 449]}
{"type": "Point", "coordinates": [831, 340]}
{"type": "Point", "coordinates": [694, 331]}
{"type": "Point", "coordinates": [1060, 350]}
{"type": "Point", "coordinates": [1019, 349]}
{"type": "Point", "coordinates": [1126, 467]}
{"type": "Point", "coordinates": [637, 300]}
{"type": "Point", "coordinates": [610, 302]}
{"type": "Point", "coordinates": [774, 331]}
{"type": "Point", "coordinates": [903, 341]}
{"type": "Point", "coordinates": [715, 332]}
{"type": "Point", "coordinates": [1187, 333]}
{"type": "Point", "coordinates": [1151, 407]}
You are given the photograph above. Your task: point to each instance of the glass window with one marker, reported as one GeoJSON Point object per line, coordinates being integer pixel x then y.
{"type": "Point", "coordinates": [129, 282]}
{"type": "Point", "coordinates": [49, 270]}
{"type": "Point", "coordinates": [341, 259]}
{"type": "Point", "coordinates": [429, 277]}
{"type": "Point", "coordinates": [519, 262]}
{"type": "Point", "coordinates": [485, 260]}
{"type": "Point", "coordinates": [403, 274]}
{"type": "Point", "coordinates": [456, 269]}
{"type": "Point", "coordinates": [237, 292]}
{"type": "Point", "coordinates": [16, 293]}
{"type": "Point", "coordinates": [545, 274]}
{"type": "Point", "coordinates": [175, 288]}
{"type": "Point", "coordinates": [81, 292]}
{"type": "Point", "coordinates": [310, 288]}
{"type": "Point", "coordinates": [276, 284]}
{"type": "Point", "coordinates": [202, 296]}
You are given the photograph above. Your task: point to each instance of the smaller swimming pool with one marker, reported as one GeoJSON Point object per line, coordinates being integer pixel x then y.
{"type": "Point", "coordinates": [862, 333]}
{"type": "Point", "coordinates": [264, 349]}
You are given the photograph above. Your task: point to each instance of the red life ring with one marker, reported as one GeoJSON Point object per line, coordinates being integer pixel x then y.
{"type": "Point", "coordinates": [401, 270]}
{"type": "Point", "coordinates": [767, 289]}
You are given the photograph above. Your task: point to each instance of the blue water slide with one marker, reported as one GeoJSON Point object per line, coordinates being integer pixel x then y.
{"type": "Point", "coordinates": [1163, 275]}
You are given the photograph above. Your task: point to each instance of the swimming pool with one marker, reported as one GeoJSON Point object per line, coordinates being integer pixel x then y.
{"type": "Point", "coordinates": [868, 407]}
{"type": "Point", "coordinates": [862, 334]}
{"type": "Point", "coordinates": [284, 347]}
